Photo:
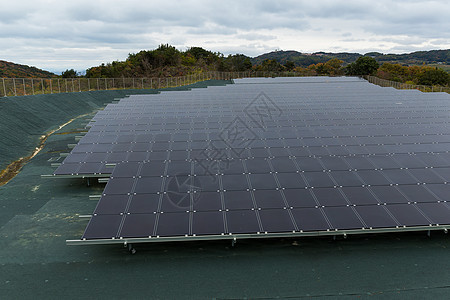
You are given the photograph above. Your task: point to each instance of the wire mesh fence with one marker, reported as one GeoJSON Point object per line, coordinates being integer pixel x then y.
{"type": "Point", "coordinates": [35, 86]}
{"type": "Point", "coordinates": [406, 86]}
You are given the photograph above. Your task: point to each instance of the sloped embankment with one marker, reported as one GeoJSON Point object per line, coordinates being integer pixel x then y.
{"type": "Point", "coordinates": [26, 120]}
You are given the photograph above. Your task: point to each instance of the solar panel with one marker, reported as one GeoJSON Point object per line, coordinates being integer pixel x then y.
{"type": "Point", "coordinates": [267, 157]}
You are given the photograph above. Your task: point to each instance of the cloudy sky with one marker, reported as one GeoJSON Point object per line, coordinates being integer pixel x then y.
{"type": "Point", "coordinates": [57, 35]}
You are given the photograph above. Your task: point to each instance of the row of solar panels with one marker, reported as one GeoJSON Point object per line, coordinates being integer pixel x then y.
{"type": "Point", "coordinates": [267, 156]}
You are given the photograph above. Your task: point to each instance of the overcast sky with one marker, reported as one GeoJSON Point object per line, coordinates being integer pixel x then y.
{"type": "Point", "coordinates": [57, 35]}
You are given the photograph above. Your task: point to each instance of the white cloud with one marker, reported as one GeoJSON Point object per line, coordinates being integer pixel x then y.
{"type": "Point", "coordinates": [58, 35]}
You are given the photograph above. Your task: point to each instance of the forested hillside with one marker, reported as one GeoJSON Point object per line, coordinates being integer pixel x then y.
{"type": "Point", "coordinates": [304, 59]}
{"type": "Point", "coordinates": [12, 70]}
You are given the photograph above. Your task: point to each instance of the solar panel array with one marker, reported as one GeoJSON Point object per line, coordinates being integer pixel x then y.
{"type": "Point", "coordinates": [268, 156]}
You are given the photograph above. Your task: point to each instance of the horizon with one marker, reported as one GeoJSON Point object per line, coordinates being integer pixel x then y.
{"type": "Point", "coordinates": [83, 72]}
{"type": "Point", "coordinates": [55, 36]}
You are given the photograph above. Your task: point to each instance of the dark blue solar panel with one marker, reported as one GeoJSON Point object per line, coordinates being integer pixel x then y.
{"type": "Point", "coordinates": [275, 155]}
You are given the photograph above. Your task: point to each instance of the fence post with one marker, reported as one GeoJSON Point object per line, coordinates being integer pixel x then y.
{"type": "Point", "coordinates": [4, 87]}
{"type": "Point", "coordinates": [51, 86]}
{"type": "Point", "coordinates": [89, 84]}
{"type": "Point", "coordinates": [42, 83]}
{"type": "Point", "coordinates": [106, 85]}
{"type": "Point", "coordinates": [24, 87]}
{"type": "Point", "coordinates": [14, 83]}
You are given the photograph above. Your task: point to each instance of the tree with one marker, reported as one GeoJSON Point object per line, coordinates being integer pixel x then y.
{"type": "Point", "coordinates": [69, 73]}
{"type": "Point", "coordinates": [434, 77]}
{"type": "Point", "coordinates": [394, 72]}
{"type": "Point", "coordinates": [198, 52]}
{"type": "Point", "coordinates": [237, 63]}
{"type": "Point", "coordinates": [364, 65]}
{"type": "Point", "coordinates": [270, 65]}
{"type": "Point", "coordinates": [331, 67]}
{"type": "Point", "coordinates": [205, 58]}
{"type": "Point", "coordinates": [289, 65]}
{"type": "Point", "coordinates": [166, 55]}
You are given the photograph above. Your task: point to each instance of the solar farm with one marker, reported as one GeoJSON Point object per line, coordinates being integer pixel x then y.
{"type": "Point", "coordinates": [261, 188]}
{"type": "Point", "coordinates": [266, 157]}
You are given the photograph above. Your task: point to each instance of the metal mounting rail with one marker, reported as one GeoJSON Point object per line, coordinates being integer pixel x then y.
{"type": "Point", "coordinates": [103, 175]}
{"type": "Point", "coordinates": [186, 238]}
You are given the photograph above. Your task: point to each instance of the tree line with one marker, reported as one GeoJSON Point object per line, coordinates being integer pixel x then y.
{"type": "Point", "coordinates": [167, 61]}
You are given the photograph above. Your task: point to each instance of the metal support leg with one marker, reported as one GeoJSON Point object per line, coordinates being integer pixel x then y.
{"type": "Point", "coordinates": [88, 181]}
{"type": "Point", "coordinates": [130, 248]}
{"type": "Point", "coordinates": [233, 242]}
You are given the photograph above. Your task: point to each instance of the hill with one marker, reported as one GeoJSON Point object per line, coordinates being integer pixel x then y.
{"type": "Point", "coordinates": [305, 59]}
{"type": "Point", "coordinates": [419, 57]}
{"type": "Point", "coordinates": [12, 70]}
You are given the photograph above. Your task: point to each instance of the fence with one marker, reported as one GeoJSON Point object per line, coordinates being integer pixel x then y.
{"type": "Point", "coordinates": [404, 86]}
{"type": "Point", "coordinates": [35, 86]}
